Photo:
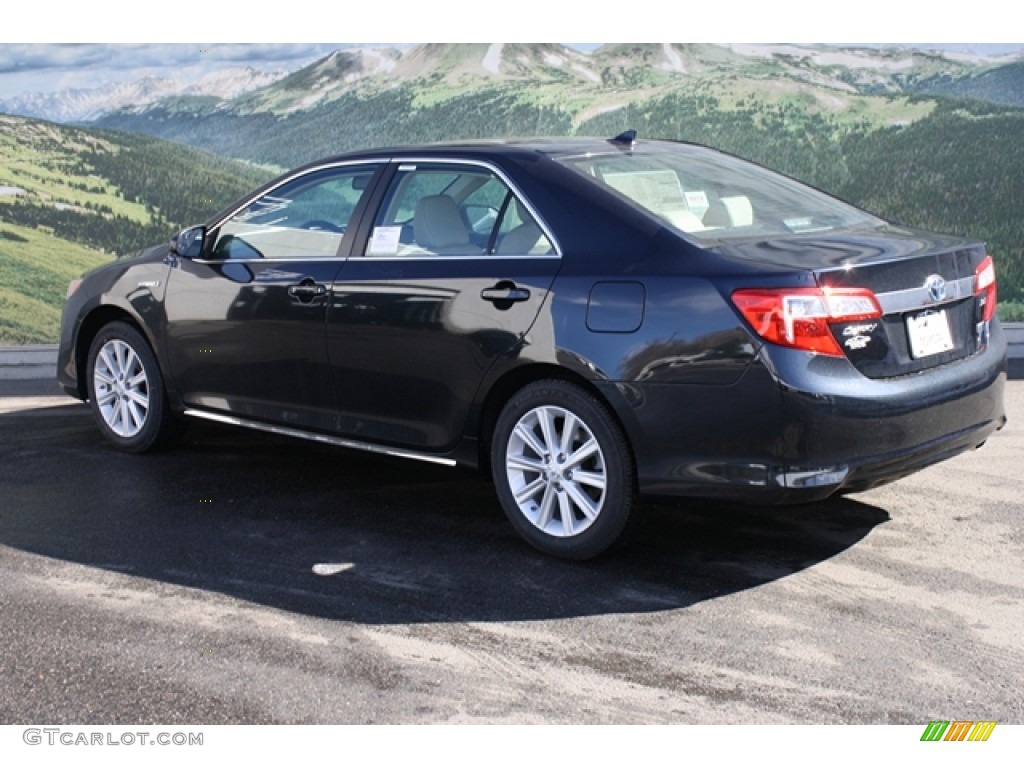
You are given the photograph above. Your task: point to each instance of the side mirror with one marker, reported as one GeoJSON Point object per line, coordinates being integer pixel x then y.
{"type": "Point", "coordinates": [189, 242]}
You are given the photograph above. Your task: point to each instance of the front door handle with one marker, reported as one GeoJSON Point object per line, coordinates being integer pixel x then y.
{"type": "Point", "coordinates": [505, 292]}
{"type": "Point", "coordinates": [307, 290]}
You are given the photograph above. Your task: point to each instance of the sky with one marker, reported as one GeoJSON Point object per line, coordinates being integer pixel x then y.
{"type": "Point", "coordinates": [65, 44]}
{"type": "Point", "coordinates": [45, 68]}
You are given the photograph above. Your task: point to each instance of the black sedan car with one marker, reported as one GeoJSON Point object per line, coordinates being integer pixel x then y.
{"type": "Point", "coordinates": [585, 320]}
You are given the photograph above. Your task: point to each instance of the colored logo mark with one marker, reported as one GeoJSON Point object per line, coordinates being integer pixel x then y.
{"type": "Point", "coordinates": [958, 730]}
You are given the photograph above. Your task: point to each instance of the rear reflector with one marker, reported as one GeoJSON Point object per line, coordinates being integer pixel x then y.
{"type": "Point", "coordinates": [985, 288]}
{"type": "Point", "coordinates": [800, 317]}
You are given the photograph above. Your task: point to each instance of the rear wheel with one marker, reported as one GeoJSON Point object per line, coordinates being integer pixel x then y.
{"type": "Point", "coordinates": [563, 470]}
{"type": "Point", "coordinates": [126, 391]}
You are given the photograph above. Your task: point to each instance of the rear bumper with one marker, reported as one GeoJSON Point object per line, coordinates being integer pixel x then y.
{"type": "Point", "coordinates": [800, 427]}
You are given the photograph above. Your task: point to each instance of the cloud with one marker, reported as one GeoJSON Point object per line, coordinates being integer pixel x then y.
{"type": "Point", "coordinates": [269, 52]}
{"type": "Point", "coordinates": [46, 68]}
{"type": "Point", "coordinates": [28, 58]}
{"type": "Point", "coordinates": [24, 58]}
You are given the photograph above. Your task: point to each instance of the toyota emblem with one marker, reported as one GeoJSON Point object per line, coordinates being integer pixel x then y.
{"type": "Point", "coordinates": [936, 287]}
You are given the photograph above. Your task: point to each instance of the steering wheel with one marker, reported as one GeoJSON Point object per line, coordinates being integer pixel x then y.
{"type": "Point", "coordinates": [322, 224]}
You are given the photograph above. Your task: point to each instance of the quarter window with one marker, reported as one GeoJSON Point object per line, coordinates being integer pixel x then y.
{"type": "Point", "coordinates": [305, 218]}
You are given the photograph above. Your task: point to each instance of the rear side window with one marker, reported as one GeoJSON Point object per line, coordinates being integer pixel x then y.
{"type": "Point", "coordinates": [453, 210]}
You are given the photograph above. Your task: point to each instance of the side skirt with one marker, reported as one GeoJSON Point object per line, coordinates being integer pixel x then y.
{"type": "Point", "coordinates": [319, 438]}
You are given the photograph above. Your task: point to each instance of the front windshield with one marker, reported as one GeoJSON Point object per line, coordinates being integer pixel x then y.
{"type": "Point", "coordinates": [713, 196]}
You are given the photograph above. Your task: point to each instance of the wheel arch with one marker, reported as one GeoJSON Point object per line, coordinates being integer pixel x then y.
{"type": "Point", "coordinates": [92, 324]}
{"type": "Point", "coordinates": [514, 380]}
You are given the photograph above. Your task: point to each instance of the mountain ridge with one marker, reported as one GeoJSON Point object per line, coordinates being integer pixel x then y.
{"type": "Point", "coordinates": [866, 70]}
{"type": "Point", "coordinates": [914, 136]}
{"type": "Point", "coordinates": [88, 104]}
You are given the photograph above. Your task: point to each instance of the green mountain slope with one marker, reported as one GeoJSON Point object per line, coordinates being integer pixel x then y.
{"type": "Point", "coordinates": [1002, 85]}
{"type": "Point", "coordinates": [959, 171]}
{"type": "Point", "coordinates": [35, 269]}
{"type": "Point", "coordinates": [72, 199]}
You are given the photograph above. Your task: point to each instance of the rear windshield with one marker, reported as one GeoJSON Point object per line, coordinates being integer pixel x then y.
{"type": "Point", "coordinates": [713, 196]}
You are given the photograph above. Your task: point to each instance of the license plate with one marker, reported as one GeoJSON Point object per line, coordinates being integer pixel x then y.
{"type": "Point", "coordinates": [929, 334]}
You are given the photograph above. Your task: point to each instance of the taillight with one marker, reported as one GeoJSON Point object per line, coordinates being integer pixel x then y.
{"type": "Point", "coordinates": [985, 288]}
{"type": "Point", "coordinates": [800, 317]}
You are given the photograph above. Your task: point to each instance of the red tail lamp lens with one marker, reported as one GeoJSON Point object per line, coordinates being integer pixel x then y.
{"type": "Point", "coordinates": [985, 288]}
{"type": "Point", "coordinates": [800, 317]}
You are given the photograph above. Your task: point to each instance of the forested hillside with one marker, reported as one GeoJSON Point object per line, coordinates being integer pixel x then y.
{"type": "Point", "coordinates": [1004, 85]}
{"type": "Point", "coordinates": [71, 199]}
{"type": "Point", "coordinates": [959, 169]}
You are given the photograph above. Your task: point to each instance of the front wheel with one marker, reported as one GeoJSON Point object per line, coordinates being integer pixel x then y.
{"type": "Point", "coordinates": [563, 470]}
{"type": "Point", "coordinates": [126, 391]}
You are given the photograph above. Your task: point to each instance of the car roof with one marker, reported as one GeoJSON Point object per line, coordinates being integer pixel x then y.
{"type": "Point", "coordinates": [495, 148]}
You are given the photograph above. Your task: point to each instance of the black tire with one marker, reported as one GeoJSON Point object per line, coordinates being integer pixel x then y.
{"type": "Point", "coordinates": [568, 460]}
{"type": "Point", "coordinates": [126, 391]}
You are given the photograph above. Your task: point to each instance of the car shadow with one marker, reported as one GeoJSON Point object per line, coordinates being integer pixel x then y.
{"type": "Point", "coordinates": [342, 535]}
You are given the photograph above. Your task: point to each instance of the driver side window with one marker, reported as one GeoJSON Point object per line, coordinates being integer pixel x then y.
{"type": "Point", "coordinates": [305, 218]}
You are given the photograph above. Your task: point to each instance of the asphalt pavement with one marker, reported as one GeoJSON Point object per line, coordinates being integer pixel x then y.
{"type": "Point", "coordinates": [244, 578]}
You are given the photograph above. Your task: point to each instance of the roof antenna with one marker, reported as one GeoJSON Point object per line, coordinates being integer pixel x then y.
{"type": "Point", "coordinates": [626, 138]}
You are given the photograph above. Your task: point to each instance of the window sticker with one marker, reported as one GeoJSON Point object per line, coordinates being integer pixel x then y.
{"type": "Point", "coordinates": [804, 224]}
{"type": "Point", "coordinates": [656, 190]}
{"type": "Point", "coordinates": [385, 241]}
{"type": "Point", "coordinates": [697, 201]}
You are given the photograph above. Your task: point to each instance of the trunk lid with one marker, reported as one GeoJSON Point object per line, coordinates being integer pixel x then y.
{"type": "Point", "coordinates": [924, 283]}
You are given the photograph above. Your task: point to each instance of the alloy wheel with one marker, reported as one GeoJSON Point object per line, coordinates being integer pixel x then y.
{"type": "Point", "coordinates": [122, 388]}
{"type": "Point", "coordinates": [556, 471]}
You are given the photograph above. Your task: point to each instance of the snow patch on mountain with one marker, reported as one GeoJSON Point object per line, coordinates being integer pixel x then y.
{"type": "Point", "coordinates": [228, 83]}
{"type": "Point", "coordinates": [492, 59]}
{"type": "Point", "coordinates": [968, 57]}
{"type": "Point", "coordinates": [587, 73]}
{"type": "Point", "coordinates": [673, 62]}
{"type": "Point", "coordinates": [384, 61]}
{"type": "Point", "coordinates": [858, 59]}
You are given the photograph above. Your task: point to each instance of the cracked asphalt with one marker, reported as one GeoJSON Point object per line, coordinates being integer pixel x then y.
{"type": "Point", "coordinates": [243, 578]}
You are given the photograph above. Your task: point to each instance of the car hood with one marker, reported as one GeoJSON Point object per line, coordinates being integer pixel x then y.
{"type": "Point", "coordinates": [153, 253]}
